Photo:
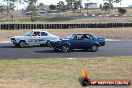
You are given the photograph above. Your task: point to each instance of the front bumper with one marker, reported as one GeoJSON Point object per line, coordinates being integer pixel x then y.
{"type": "Point", "coordinates": [14, 41]}
{"type": "Point", "coordinates": [54, 45]}
{"type": "Point", "coordinates": [102, 43]}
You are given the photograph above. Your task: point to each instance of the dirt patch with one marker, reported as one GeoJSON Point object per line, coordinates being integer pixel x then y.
{"type": "Point", "coordinates": [108, 33]}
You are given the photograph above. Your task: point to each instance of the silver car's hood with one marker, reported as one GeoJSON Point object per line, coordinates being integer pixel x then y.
{"type": "Point", "coordinates": [18, 37]}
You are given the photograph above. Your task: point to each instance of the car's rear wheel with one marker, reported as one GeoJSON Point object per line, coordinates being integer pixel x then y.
{"type": "Point", "coordinates": [65, 48]}
{"type": "Point", "coordinates": [94, 48]}
{"type": "Point", "coordinates": [22, 44]}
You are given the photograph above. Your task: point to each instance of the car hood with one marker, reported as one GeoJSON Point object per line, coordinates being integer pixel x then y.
{"type": "Point", "coordinates": [53, 35]}
{"type": "Point", "coordinates": [63, 39]}
{"type": "Point", "coordinates": [18, 37]}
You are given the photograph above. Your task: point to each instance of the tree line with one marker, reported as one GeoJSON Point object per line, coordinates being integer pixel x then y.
{"type": "Point", "coordinates": [73, 5]}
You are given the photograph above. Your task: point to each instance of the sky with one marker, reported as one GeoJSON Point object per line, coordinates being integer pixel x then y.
{"type": "Point", "coordinates": [124, 3]}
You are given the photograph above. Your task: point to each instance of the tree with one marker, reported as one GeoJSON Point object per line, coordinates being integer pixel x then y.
{"type": "Point", "coordinates": [10, 5]}
{"type": "Point", "coordinates": [70, 4]}
{"type": "Point", "coordinates": [77, 5]}
{"type": "Point", "coordinates": [2, 8]}
{"type": "Point", "coordinates": [88, 4]}
{"type": "Point", "coordinates": [122, 11]}
{"type": "Point", "coordinates": [52, 7]}
{"type": "Point", "coordinates": [109, 5]}
{"type": "Point", "coordinates": [19, 2]}
{"type": "Point", "coordinates": [32, 8]}
{"type": "Point", "coordinates": [41, 6]}
{"type": "Point", "coordinates": [74, 4]}
{"type": "Point", "coordinates": [101, 7]}
{"type": "Point", "coordinates": [60, 6]}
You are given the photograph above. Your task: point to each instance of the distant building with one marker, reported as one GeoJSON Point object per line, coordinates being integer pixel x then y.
{"type": "Point", "coordinates": [91, 6]}
{"type": "Point", "coordinates": [41, 13]}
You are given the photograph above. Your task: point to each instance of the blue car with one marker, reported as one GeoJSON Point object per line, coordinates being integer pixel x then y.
{"type": "Point", "coordinates": [77, 41]}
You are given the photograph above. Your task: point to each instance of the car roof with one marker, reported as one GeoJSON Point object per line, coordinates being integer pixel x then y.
{"type": "Point", "coordinates": [33, 30]}
{"type": "Point", "coordinates": [80, 34]}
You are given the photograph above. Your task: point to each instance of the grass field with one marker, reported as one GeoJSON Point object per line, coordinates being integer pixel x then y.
{"type": "Point", "coordinates": [62, 73]}
{"type": "Point", "coordinates": [67, 19]}
{"type": "Point", "coordinates": [109, 33]}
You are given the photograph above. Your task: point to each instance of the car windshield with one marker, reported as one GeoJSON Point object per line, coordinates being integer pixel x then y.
{"type": "Point", "coordinates": [94, 36]}
{"type": "Point", "coordinates": [27, 34]}
{"type": "Point", "coordinates": [70, 36]}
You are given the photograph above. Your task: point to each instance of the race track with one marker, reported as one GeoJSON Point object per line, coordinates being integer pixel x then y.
{"type": "Point", "coordinates": [112, 48]}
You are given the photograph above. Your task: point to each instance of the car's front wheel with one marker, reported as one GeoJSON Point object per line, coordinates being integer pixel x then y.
{"type": "Point", "coordinates": [56, 50]}
{"type": "Point", "coordinates": [16, 45]}
{"type": "Point", "coordinates": [22, 44]}
{"type": "Point", "coordinates": [65, 48]}
{"type": "Point", "coordinates": [94, 48]}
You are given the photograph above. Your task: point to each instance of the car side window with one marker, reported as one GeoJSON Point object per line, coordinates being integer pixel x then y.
{"type": "Point", "coordinates": [80, 37]}
{"type": "Point", "coordinates": [74, 37]}
{"type": "Point", "coordinates": [77, 37]}
{"type": "Point", "coordinates": [90, 37]}
{"type": "Point", "coordinates": [36, 34]}
{"type": "Point", "coordinates": [44, 34]}
{"type": "Point", "coordinates": [85, 37]}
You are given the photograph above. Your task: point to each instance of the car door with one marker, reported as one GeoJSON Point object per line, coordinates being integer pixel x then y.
{"type": "Point", "coordinates": [43, 38]}
{"type": "Point", "coordinates": [76, 42]}
{"type": "Point", "coordinates": [88, 41]}
{"type": "Point", "coordinates": [35, 38]}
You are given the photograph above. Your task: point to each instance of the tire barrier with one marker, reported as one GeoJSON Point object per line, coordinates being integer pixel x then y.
{"type": "Point", "coordinates": [63, 26]}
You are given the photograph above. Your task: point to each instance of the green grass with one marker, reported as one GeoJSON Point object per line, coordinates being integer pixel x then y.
{"type": "Point", "coordinates": [61, 72]}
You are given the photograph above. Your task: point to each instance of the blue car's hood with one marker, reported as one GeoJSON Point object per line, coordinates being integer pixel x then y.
{"type": "Point", "coordinates": [60, 40]}
{"type": "Point", "coordinates": [64, 39]}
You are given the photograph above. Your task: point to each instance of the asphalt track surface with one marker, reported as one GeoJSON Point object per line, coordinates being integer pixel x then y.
{"type": "Point", "coordinates": [112, 48]}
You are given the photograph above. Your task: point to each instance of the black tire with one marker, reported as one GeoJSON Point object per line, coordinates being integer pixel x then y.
{"type": "Point", "coordinates": [22, 44]}
{"type": "Point", "coordinates": [56, 50]}
{"type": "Point", "coordinates": [65, 48]}
{"type": "Point", "coordinates": [17, 45]}
{"type": "Point", "coordinates": [94, 48]}
{"type": "Point", "coordinates": [48, 43]}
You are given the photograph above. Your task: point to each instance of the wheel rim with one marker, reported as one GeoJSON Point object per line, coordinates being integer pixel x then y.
{"type": "Point", "coordinates": [22, 44]}
{"type": "Point", "coordinates": [65, 48]}
{"type": "Point", "coordinates": [94, 48]}
{"type": "Point", "coordinates": [48, 44]}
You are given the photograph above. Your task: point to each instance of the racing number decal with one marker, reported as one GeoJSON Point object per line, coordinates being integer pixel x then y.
{"type": "Point", "coordinates": [36, 40]}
